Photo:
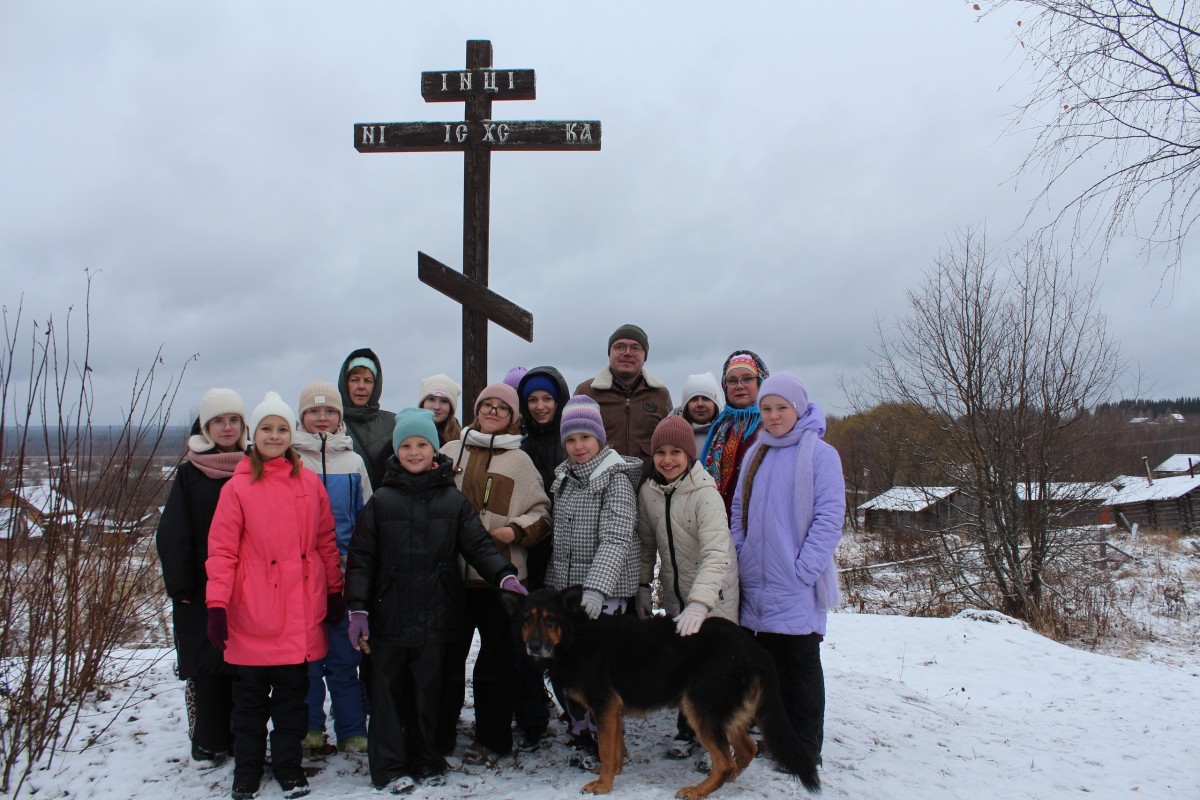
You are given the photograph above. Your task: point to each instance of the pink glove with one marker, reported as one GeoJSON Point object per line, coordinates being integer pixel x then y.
{"type": "Point", "coordinates": [359, 629]}
{"type": "Point", "coordinates": [511, 584]}
{"type": "Point", "coordinates": [691, 619]}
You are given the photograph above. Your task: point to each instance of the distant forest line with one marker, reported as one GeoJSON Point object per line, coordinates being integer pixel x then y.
{"type": "Point", "coordinates": [1154, 408]}
{"type": "Point", "coordinates": [39, 441]}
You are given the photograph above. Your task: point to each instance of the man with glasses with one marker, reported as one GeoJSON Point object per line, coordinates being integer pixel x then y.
{"type": "Point", "coordinates": [632, 401]}
{"type": "Point", "coordinates": [737, 426]}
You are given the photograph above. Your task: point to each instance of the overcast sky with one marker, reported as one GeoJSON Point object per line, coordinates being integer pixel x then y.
{"type": "Point", "coordinates": [774, 176]}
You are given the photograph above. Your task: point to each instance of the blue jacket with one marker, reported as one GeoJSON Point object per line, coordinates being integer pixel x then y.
{"type": "Point", "coordinates": [341, 470]}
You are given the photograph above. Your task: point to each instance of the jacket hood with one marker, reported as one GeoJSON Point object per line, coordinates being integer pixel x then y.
{"type": "Point", "coordinates": [607, 460]}
{"type": "Point", "coordinates": [344, 389]}
{"type": "Point", "coordinates": [695, 477]}
{"type": "Point", "coordinates": [311, 442]}
{"type": "Point", "coordinates": [564, 393]}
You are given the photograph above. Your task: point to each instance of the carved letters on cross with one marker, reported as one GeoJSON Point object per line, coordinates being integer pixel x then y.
{"type": "Point", "coordinates": [477, 136]}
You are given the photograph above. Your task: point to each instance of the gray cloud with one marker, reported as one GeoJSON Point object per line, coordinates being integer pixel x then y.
{"type": "Point", "coordinates": [773, 177]}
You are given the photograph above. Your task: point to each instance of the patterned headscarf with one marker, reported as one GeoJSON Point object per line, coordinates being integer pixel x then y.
{"type": "Point", "coordinates": [733, 425]}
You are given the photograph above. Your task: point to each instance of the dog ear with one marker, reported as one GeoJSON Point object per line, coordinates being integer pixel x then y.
{"type": "Point", "coordinates": [571, 597]}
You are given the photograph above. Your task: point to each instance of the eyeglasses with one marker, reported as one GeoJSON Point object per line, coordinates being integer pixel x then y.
{"type": "Point", "coordinates": [741, 381]}
{"type": "Point", "coordinates": [498, 410]}
{"type": "Point", "coordinates": [633, 349]}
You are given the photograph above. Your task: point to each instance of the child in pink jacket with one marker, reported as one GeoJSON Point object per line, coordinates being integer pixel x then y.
{"type": "Point", "coordinates": [273, 581]}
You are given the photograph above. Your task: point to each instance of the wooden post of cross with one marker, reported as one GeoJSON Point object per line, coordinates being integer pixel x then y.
{"type": "Point", "coordinates": [477, 136]}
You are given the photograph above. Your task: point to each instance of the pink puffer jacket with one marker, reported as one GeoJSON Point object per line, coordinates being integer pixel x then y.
{"type": "Point", "coordinates": [272, 560]}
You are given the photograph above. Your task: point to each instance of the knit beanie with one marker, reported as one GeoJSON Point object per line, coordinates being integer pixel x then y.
{"type": "Point", "coordinates": [787, 386]}
{"type": "Point", "coordinates": [215, 403]}
{"type": "Point", "coordinates": [539, 383]}
{"type": "Point", "coordinates": [676, 431]}
{"type": "Point", "coordinates": [362, 361]}
{"type": "Point", "coordinates": [320, 393]}
{"type": "Point", "coordinates": [441, 386]}
{"type": "Point", "coordinates": [629, 331]}
{"type": "Point", "coordinates": [414, 422]}
{"type": "Point", "coordinates": [581, 414]}
{"type": "Point", "coordinates": [272, 405]}
{"type": "Point", "coordinates": [745, 359]}
{"type": "Point", "coordinates": [514, 375]}
{"type": "Point", "coordinates": [703, 385]}
{"type": "Point", "coordinates": [502, 392]}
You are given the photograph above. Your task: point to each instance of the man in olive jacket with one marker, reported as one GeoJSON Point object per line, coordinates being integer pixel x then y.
{"type": "Point", "coordinates": [632, 401]}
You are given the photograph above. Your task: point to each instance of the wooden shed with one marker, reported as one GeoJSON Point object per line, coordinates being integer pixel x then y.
{"type": "Point", "coordinates": [1170, 504]}
{"type": "Point", "coordinates": [910, 509]}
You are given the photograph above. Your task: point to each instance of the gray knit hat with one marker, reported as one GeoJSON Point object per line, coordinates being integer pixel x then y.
{"type": "Point", "coordinates": [630, 331]}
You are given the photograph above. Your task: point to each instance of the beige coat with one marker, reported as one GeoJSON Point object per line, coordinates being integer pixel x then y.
{"type": "Point", "coordinates": [692, 542]}
{"type": "Point", "coordinates": [506, 488]}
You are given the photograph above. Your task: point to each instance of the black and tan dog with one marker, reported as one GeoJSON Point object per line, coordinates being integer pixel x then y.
{"type": "Point", "coordinates": [719, 676]}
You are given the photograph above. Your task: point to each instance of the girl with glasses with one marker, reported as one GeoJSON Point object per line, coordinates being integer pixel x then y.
{"type": "Point", "coordinates": [506, 489]}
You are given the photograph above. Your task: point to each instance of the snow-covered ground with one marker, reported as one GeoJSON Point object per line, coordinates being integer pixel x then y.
{"type": "Point", "coordinates": [974, 706]}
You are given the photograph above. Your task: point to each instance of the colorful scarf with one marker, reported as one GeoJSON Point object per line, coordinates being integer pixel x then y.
{"type": "Point", "coordinates": [732, 427]}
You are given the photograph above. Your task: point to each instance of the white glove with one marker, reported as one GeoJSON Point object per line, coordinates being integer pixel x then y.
{"type": "Point", "coordinates": [591, 603]}
{"type": "Point", "coordinates": [690, 620]}
{"type": "Point", "coordinates": [644, 602]}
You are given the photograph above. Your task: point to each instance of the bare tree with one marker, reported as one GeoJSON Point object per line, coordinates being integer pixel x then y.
{"type": "Point", "coordinates": [1002, 359]}
{"type": "Point", "coordinates": [1114, 102]}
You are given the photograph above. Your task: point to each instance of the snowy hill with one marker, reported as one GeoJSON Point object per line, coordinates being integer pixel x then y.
{"type": "Point", "coordinates": [972, 707]}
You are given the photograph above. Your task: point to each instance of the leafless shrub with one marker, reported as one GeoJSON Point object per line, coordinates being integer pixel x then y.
{"type": "Point", "coordinates": [76, 578]}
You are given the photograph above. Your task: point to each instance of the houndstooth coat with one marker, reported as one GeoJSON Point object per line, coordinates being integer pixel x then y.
{"type": "Point", "coordinates": [595, 521]}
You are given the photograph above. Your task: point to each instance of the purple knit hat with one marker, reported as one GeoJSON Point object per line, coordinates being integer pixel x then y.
{"type": "Point", "coordinates": [514, 375]}
{"type": "Point", "coordinates": [581, 414]}
{"type": "Point", "coordinates": [787, 386]}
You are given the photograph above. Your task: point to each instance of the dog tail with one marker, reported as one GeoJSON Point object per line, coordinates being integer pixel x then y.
{"type": "Point", "coordinates": [784, 745]}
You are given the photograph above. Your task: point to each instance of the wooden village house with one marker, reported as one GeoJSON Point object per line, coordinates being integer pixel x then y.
{"type": "Point", "coordinates": [1168, 504]}
{"type": "Point", "coordinates": [910, 509]}
{"type": "Point", "coordinates": [26, 511]}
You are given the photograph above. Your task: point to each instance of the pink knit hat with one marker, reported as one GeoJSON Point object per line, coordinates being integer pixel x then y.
{"type": "Point", "coordinates": [503, 393]}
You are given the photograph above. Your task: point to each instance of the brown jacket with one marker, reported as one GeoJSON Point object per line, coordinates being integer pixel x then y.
{"type": "Point", "coordinates": [629, 419]}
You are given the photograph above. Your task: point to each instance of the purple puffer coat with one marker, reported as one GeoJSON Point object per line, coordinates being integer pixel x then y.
{"type": "Point", "coordinates": [786, 575]}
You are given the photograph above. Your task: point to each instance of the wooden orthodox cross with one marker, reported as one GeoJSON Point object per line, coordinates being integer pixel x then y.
{"type": "Point", "coordinates": [477, 136]}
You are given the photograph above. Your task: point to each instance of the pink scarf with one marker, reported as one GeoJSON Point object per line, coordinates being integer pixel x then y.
{"type": "Point", "coordinates": [216, 465]}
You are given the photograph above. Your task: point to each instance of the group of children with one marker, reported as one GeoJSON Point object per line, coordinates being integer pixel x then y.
{"type": "Point", "coordinates": [430, 527]}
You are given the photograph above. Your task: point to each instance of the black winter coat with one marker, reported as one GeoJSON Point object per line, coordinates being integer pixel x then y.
{"type": "Point", "coordinates": [403, 565]}
{"type": "Point", "coordinates": [182, 541]}
{"type": "Point", "coordinates": [543, 443]}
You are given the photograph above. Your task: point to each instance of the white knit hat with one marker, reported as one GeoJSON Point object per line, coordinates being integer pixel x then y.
{"type": "Point", "coordinates": [272, 405]}
{"type": "Point", "coordinates": [703, 385]}
{"type": "Point", "coordinates": [441, 386]}
{"type": "Point", "coordinates": [215, 403]}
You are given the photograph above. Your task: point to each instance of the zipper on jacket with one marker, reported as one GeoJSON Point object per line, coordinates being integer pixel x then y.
{"type": "Point", "coordinates": [324, 476]}
{"type": "Point", "coordinates": [671, 550]}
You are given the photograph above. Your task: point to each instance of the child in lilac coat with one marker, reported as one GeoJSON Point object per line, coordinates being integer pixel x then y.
{"type": "Point", "coordinates": [786, 523]}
